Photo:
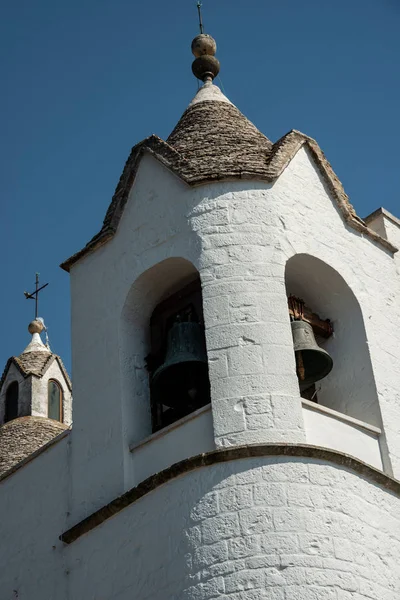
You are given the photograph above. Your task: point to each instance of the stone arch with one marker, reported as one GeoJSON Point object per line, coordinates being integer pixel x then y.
{"type": "Point", "coordinates": [350, 387]}
{"type": "Point", "coordinates": [150, 288]}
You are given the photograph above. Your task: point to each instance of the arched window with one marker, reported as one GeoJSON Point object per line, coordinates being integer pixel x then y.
{"type": "Point", "coordinates": [11, 408]}
{"type": "Point", "coordinates": [55, 400]}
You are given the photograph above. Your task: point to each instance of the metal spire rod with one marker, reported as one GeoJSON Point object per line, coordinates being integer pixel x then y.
{"type": "Point", "coordinates": [199, 5]}
{"type": "Point", "coordinates": [35, 295]}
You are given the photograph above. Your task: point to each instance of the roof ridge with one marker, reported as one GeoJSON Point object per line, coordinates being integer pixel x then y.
{"type": "Point", "coordinates": [195, 167]}
{"type": "Point", "coordinates": [64, 371]}
{"type": "Point", "coordinates": [39, 371]}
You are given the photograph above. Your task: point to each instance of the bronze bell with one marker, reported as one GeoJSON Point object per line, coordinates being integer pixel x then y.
{"type": "Point", "coordinates": [181, 382]}
{"type": "Point", "coordinates": [313, 363]}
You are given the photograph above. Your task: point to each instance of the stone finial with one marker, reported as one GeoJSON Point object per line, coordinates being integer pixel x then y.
{"type": "Point", "coordinates": [204, 44]}
{"type": "Point", "coordinates": [35, 326]}
{"type": "Point", "coordinates": [205, 66]}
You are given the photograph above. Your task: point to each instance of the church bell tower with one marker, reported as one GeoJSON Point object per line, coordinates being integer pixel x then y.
{"type": "Point", "coordinates": [235, 356]}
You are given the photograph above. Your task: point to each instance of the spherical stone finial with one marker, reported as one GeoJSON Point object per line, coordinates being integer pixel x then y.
{"type": "Point", "coordinates": [205, 67]}
{"type": "Point", "coordinates": [204, 44]}
{"type": "Point", "coordinates": [35, 326]}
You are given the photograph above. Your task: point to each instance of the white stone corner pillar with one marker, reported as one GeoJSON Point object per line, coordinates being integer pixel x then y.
{"type": "Point", "coordinates": [254, 389]}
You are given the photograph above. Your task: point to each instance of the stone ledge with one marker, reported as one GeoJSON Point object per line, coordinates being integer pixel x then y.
{"type": "Point", "coordinates": [162, 432]}
{"type": "Point", "coordinates": [221, 456]}
{"type": "Point", "coordinates": [308, 404]}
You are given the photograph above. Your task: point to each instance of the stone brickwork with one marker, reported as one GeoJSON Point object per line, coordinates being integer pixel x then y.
{"type": "Point", "coordinates": [256, 529]}
{"type": "Point", "coordinates": [254, 386]}
{"type": "Point", "coordinates": [276, 527]}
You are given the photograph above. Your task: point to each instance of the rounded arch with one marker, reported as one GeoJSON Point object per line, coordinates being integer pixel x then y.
{"type": "Point", "coordinates": [11, 405]}
{"type": "Point", "coordinates": [350, 387]}
{"type": "Point", "coordinates": [55, 400]}
{"type": "Point", "coordinates": [150, 288]}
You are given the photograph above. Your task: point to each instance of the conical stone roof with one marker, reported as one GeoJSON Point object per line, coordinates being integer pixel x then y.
{"type": "Point", "coordinates": [216, 141]}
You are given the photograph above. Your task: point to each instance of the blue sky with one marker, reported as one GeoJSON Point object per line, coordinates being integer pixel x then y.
{"type": "Point", "coordinates": [85, 80]}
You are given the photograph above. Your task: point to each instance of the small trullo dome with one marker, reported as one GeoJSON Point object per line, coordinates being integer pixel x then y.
{"type": "Point", "coordinates": [35, 400]}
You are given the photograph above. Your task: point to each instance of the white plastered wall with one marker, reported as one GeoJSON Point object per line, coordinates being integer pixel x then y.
{"type": "Point", "coordinates": [271, 527]}
{"type": "Point", "coordinates": [34, 503]}
{"type": "Point", "coordinates": [393, 233]}
{"type": "Point", "coordinates": [239, 236]}
{"type": "Point", "coordinates": [247, 530]}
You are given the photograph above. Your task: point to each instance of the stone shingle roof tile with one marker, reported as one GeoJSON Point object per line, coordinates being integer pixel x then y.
{"type": "Point", "coordinates": [22, 437]}
{"type": "Point", "coordinates": [35, 363]}
{"type": "Point", "coordinates": [218, 142]}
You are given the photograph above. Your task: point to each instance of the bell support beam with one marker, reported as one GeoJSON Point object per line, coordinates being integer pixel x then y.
{"type": "Point", "coordinates": [321, 328]}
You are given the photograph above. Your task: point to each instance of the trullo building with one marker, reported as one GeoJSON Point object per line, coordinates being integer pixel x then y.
{"type": "Point", "coordinates": [236, 373]}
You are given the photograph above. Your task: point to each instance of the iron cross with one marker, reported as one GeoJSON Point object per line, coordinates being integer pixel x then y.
{"type": "Point", "coordinates": [35, 295]}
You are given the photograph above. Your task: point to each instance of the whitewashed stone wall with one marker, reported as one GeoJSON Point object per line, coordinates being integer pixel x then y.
{"type": "Point", "coordinates": [393, 233]}
{"type": "Point", "coordinates": [280, 528]}
{"type": "Point", "coordinates": [34, 504]}
{"type": "Point", "coordinates": [252, 529]}
{"type": "Point", "coordinates": [190, 436]}
{"type": "Point", "coordinates": [239, 236]}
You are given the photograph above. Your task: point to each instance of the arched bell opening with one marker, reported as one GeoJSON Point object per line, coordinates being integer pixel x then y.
{"type": "Point", "coordinates": [164, 368]}
{"type": "Point", "coordinates": [337, 341]}
{"type": "Point", "coordinates": [178, 366]}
